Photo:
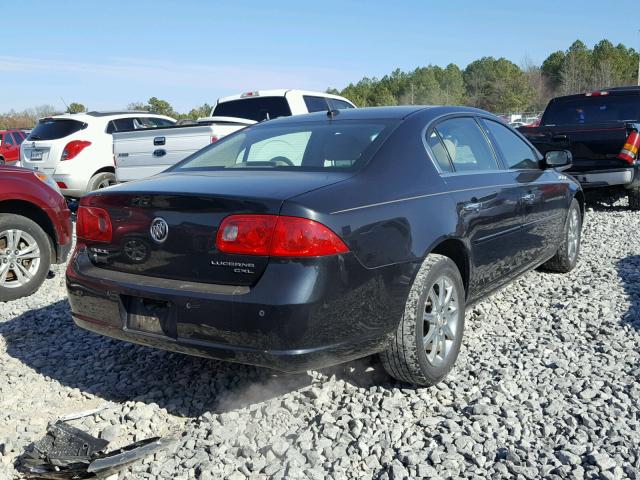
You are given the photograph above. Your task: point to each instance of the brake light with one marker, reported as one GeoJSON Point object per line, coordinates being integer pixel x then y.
{"type": "Point", "coordinates": [214, 139]}
{"type": "Point", "coordinates": [597, 94]}
{"type": "Point", "coordinates": [277, 236]}
{"type": "Point", "coordinates": [93, 224]}
{"type": "Point", "coordinates": [250, 94]}
{"type": "Point", "coordinates": [73, 149]}
{"type": "Point", "coordinates": [61, 184]}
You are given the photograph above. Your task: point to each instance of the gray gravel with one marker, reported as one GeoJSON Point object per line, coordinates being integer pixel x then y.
{"type": "Point", "coordinates": [546, 386]}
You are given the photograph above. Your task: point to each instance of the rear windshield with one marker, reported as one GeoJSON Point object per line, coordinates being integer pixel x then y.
{"type": "Point", "coordinates": [587, 110]}
{"type": "Point", "coordinates": [257, 108]}
{"type": "Point", "coordinates": [54, 128]}
{"type": "Point", "coordinates": [345, 145]}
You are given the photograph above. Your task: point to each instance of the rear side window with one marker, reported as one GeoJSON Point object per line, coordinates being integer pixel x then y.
{"type": "Point", "coordinates": [466, 144]}
{"type": "Point", "coordinates": [55, 128]}
{"type": "Point", "coordinates": [439, 151]}
{"type": "Point", "coordinates": [516, 153]}
{"type": "Point", "coordinates": [586, 110]}
{"type": "Point", "coordinates": [315, 104]}
{"type": "Point", "coordinates": [8, 139]}
{"type": "Point", "coordinates": [336, 104]}
{"type": "Point", "coordinates": [256, 108]}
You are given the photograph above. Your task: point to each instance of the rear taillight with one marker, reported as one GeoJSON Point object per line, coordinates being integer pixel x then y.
{"type": "Point", "coordinates": [93, 224]}
{"type": "Point", "coordinates": [61, 184]}
{"type": "Point", "coordinates": [72, 149]}
{"type": "Point", "coordinates": [277, 236]}
{"type": "Point", "coordinates": [597, 94]}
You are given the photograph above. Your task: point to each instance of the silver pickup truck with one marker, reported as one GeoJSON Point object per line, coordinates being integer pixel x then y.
{"type": "Point", "coordinates": [143, 153]}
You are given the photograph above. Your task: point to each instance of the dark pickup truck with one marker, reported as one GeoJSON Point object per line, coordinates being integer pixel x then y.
{"type": "Point", "coordinates": [595, 127]}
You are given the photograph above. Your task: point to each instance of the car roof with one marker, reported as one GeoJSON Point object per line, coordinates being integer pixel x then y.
{"type": "Point", "coordinates": [278, 92]}
{"type": "Point", "coordinates": [106, 115]}
{"type": "Point", "coordinates": [381, 113]}
{"type": "Point", "coordinates": [614, 91]}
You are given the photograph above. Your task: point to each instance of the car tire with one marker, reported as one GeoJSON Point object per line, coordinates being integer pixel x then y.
{"type": "Point", "coordinates": [425, 358]}
{"type": "Point", "coordinates": [2, 162]}
{"type": "Point", "coordinates": [567, 255]}
{"type": "Point", "coordinates": [634, 198]}
{"type": "Point", "coordinates": [101, 180]}
{"type": "Point", "coordinates": [37, 246]}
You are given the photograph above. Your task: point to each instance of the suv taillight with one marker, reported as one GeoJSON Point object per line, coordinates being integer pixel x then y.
{"type": "Point", "coordinates": [93, 224]}
{"type": "Point", "coordinates": [72, 149]}
{"type": "Point", "coordinates": [277, 236]}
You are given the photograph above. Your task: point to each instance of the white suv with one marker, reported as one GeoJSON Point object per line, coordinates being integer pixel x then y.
{"type": "Point", "coordinates": [77, 149]}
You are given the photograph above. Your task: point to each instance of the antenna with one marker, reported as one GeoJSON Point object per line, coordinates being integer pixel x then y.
{"type": "Point", "coordinates": [65, 103]}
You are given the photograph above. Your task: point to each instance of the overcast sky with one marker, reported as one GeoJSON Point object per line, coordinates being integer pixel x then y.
{"type": "Point", "coordinates": [110, 53]}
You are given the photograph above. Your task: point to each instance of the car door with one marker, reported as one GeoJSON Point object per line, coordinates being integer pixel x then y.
{"type": "Point", "coordinates": [543, 194]}
{"type": "Point", "coordinates": [487, 200]}
{"type": "Point", "coordinates": [10, 148]}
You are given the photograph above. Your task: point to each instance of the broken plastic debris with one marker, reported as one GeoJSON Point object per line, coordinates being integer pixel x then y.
{"type": "Point", "coordinates": [66, 452]}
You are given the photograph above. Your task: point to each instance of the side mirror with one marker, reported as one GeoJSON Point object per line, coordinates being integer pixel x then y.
{"type": "Point", "coordinates": [558, 159]}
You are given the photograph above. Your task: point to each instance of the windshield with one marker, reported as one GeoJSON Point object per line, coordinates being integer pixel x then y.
{"type": "Point", "coordinates": [54, 128]}
{"type": "Point", "coordinates": [588, 110]}
{"type": "Point", "coordinates": [343, 145]}
{"type": "Point", "coordinates": [256, 108]}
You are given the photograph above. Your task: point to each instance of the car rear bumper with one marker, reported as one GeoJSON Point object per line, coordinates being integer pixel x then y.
{"type": "Point", "coordinates": [300, 315]}
{"type": "Point", "coordinates": [74, 187]}
{"type": "Point", "coordinates": [607, 178]}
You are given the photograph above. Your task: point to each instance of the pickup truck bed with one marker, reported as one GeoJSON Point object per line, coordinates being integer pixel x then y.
{"type": "Point", "coordinates": [142, 153]}
{"type": "Point", "coordinates": [594, 127]}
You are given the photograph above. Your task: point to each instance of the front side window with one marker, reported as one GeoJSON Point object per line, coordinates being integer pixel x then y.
{"type": "Point", "coordinates": [303, 146]}
{"type": "Point", "coordinates": [467, 145]}
{"type": "Point", "coordinates": [516, 153]}
{"type": "Point", "coordinates": [18, 138]}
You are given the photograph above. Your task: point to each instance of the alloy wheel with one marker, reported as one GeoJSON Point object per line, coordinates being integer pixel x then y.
{"type": "Point", "coordinates": [440, 320]}
{"type": "Point", "coordinates": [573, 234]}
{"type": "Point", "coordinates": [19, 258]}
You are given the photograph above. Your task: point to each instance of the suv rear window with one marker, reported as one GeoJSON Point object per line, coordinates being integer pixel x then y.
{"type": "Point", "coordinates": [256, 108]}
{"type": "Point", "coordinates": [588, 110]}
{"type": "Point", "coordinates": [54, 128]}
{"type": "Point", "coordinates": [308, 146]}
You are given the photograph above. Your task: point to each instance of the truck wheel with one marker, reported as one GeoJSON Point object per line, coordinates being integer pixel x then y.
{"type": "Point", "coordinates": [634, 198]}
{"type": "Point", "coordinates": [567, 255]}
{"type": "Point", "coordinates": [25, 256]}
{"type": "Point", "coordinates": [428, 338]}
{"type": "Point", "coordinates": [101, 180]}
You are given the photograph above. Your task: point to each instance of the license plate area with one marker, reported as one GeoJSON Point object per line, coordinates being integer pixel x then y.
{"type": "Point", "coordinates": [36, 155]}
{"type": "Point", "coordinates": [149, 316]}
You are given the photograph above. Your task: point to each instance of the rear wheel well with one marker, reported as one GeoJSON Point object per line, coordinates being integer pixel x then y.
{"type": "Point", "coordinates": [31, 211]}
{"type": "Point", "coordinates": [456, 251]}
{"type": "Point", "coordinates": [104, 169]}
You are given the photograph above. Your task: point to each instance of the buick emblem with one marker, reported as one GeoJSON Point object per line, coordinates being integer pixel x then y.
{"type": "Point", "coordinates": [159, 230]}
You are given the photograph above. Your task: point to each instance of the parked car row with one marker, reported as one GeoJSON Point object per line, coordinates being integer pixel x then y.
{"type": "Point", "coordinates": [309, 240]}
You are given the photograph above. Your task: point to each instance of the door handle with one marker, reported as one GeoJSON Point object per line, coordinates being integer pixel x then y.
{"type": "Point", "coordinates": [559, 138]}
{"type": "Point", "coordinates": [159, 141]}
{"type": "Point", "coordinates": [471, 207]}
{"type": "Point", "coordinates": [529, 198]}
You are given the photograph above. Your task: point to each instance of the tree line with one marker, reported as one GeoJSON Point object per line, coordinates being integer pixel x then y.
{"type": "Point", "coordinates": [494, 84]}
{"type": "Point", "coordinates": [498, 84]}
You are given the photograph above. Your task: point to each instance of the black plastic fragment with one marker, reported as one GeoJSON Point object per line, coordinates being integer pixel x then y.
{"type": "Point", "coordinates": [67, 453]}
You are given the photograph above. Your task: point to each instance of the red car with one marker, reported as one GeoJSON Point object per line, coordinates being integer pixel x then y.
{"type": "Point", "coordinates": [10, 141]}
{"type": "Point", "coordinates": [35, 230]}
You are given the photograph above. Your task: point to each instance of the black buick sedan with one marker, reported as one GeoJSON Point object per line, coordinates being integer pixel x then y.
{"type": "Point", "coordinates": [308, 241]}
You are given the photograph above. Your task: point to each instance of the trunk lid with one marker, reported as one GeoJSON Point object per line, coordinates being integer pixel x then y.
{"type": "Point", "coordinates": [188, 252]}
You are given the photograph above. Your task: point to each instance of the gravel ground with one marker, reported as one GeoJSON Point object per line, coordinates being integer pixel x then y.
{"type": "Point", "coordinates": [546, 386]}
